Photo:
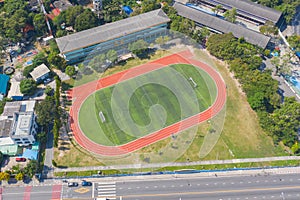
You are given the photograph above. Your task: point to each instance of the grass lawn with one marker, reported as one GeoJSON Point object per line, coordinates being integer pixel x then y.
{"type": "Point", "coordinates": [241, 133]}
{"type": "Point", "coordinates": [131, 107]}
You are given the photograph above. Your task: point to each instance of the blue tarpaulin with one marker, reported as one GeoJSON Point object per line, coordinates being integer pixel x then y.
{"type": "Point", "coordinates": [127, 10]}
{"type": "Point", "coordinates": [30, 154]}
{"type": "Point", "coordinates": [298, 54]}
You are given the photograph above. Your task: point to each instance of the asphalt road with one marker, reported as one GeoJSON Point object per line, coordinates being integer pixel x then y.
{"type": "Point", "coordinates": [281, 187]}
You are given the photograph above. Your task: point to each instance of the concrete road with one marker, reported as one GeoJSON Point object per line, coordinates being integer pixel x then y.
{"type": "Point", "coordinates": [279, 186]}
{"type": "Point", "coordinates": [250, 187]}
{"type": "Point", "coordinates": [32, 193]}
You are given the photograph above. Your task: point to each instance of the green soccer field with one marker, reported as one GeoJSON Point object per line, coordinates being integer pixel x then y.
{"type": "Point", "coordinates": [147, 103]}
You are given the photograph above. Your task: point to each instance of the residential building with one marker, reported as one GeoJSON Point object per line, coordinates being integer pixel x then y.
{"type": "Point", "coordinates": [218, 25]}
{"type": "Point", "coordinates": [40, 73]}
{"type": "Point", "coordinates": [116, 35]}
{"type": "Point", "coordinates": [24, 128]}
{"type": "Point", "coordinates": [3, 85]}
{"type": "Point", "coordinates": [18, 124]}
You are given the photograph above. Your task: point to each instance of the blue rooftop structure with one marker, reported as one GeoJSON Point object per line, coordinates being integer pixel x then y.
{"type": "Point", "coordinates": [127, 10]}
{"type": "Point", "coordinates": [3, 83]}
{"type": "Point", "coordinates": [30, 154]}
{"type": "Point", "coordinates": [298, 54]}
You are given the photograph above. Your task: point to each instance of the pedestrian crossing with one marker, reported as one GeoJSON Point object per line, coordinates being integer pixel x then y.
{"type": "Point", "coordinates": [106, 189]}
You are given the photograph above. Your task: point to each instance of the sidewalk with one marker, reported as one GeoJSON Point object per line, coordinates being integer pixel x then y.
{"type": "Point", "coordinates": [208, 174]}
{"type": "Point", "coordinates": [184, 164]}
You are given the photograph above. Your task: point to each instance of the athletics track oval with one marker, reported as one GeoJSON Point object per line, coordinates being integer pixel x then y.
{"type": "Point", "coordinates": [80, 93]}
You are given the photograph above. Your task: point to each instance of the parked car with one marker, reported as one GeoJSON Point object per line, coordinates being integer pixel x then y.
{"type": "Point", "coordinates": [86, 183]}
{"type": "Point", "coordinates": [72, 184]}
{"type": "Point", "coordinates": [20, 159]}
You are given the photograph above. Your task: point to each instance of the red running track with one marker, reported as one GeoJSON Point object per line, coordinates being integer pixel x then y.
{"type": "Point", "coordinates": [80, 93]}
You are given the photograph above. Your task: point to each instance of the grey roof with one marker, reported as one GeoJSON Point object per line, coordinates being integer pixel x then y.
{"type": "Point", "coordinates": [249, 8]}
{"type": "Point", "coordinates": [221, 25]}
{"type": "Point", "coordinates": [110, 31]}
{"type": "Point", "coordinates": [39, 71]}
{"type": "Point", "coordinates": [5, 127]}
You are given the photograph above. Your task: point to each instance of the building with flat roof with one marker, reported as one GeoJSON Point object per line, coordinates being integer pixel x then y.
{"type": "Point", "coordinates": [40, 73]}
{"type": "Point", "coordinates": [23, 128]}
{"type": "Point", "coordinates": [116, 35]}
{"type": "Point", "coordinates": [248, 10]}
{"type": "Point", "coordinates": [18, 123]}
{"type": "Point", "coordinates": [218, 25]}
{"type": "Point", "coordinates": [17, 106]}
{"type": "Point", "coordinates": [14, 92]}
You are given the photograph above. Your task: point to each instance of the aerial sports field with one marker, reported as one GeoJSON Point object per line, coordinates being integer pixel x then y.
{"type": "Point", "coordinates": [129, 110]}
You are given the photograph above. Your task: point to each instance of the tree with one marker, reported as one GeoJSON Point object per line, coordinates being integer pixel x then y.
{"type": "Point", "coordinates": [39, 23]}
{"type": "Point", "coordinates": [98, 63]}
{"type": "Point", "coordinates": [27, 86]}
{"type": "Point", "coordinates": [112, 55]}
{"type": "Point", "coordinates": [48, 90]}
{"type": "Point", "coordinates": [230, 15]}
{"type": "Point", "coordinates": [161, 40]}
{"type": "Point", "coordinates": [72, 13]}
{"type": "Point", "coordinates": [19, 176]}
{"type": "Point", "coordinates": [27, 70]}
{"type": "Point", "coordinates": [39, 59]}
{"type": "Point", "coordinates": [42, 137]}
{"type": "Point", "coordinates": [294, 41]}
{"type": "Point", "coordinates": [86, 20]}
{"type": "Point", "coordinates": [269, 28]}
{"type": "Point", "coordinates": [61, 33]}
{"type": "Point", "coordinates": [46, 111]}
{"type": "Point", "coordinates": [286, 122]}
{"type": "Point", "coordinates": [138, 47]}
{"type": "Point", "coordinates": [56, 61]}
{"type": "Point", "coordinates": [4, 176]}
{"type": "Point", "coordinates": [217, 8]}
{"type": "Point", "coordinates": [70, 70]}
{"type": "Point", "coordinates": [31, 168]}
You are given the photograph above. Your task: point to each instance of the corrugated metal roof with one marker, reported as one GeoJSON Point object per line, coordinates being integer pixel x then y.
{"type": "Point", "coordinates": [39, 71]}
{"type": "Point", "coordinates": [3, 83]}
{"type": "Point", "coordinates": [110, 31]}
{"type": "Point", "coordinates": [221, 25]}
{"type": "Point", "coordinates": [249, 8]}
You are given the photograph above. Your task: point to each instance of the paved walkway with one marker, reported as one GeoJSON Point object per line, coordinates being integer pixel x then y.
{"type": "Point", "coordinates": [184, 164]}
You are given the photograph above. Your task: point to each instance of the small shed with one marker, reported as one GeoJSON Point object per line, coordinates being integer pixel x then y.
{"type": "Point", "coordinates": [40, 73]}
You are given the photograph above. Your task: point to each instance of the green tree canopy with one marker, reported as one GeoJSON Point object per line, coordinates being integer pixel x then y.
{"type": "Point", "coordinates": [27, 86]}
{"type": "Point", "coordinates": [112, 55]}
{"type": "Point", "coordinates": [86, 20]}
{"type": "Point", "coordinates": [46, 111]}
{"type": "Point", "coordinates": [39, 23]}
{"type": "Point", "coordinates": [70, 70]}
{"type": "Point", "coordinates": [230, 15]}
{"type": "Point", "coordinates": [138, 47]}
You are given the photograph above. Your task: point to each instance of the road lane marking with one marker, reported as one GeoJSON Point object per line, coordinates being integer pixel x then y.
{"type": "Point", "coordinates": [213, 192]}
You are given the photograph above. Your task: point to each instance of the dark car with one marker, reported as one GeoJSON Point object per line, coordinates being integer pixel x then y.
{"type": "Point", "coordinates": [20, 159]}
{"type": "Point", "coordinates": [86, 183]}
{"type": "Point", "coordinates": [72, 184]}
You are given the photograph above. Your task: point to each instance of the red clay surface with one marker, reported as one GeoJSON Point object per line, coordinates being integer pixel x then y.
{"type": "Point", "coordinates": [80, 93]}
